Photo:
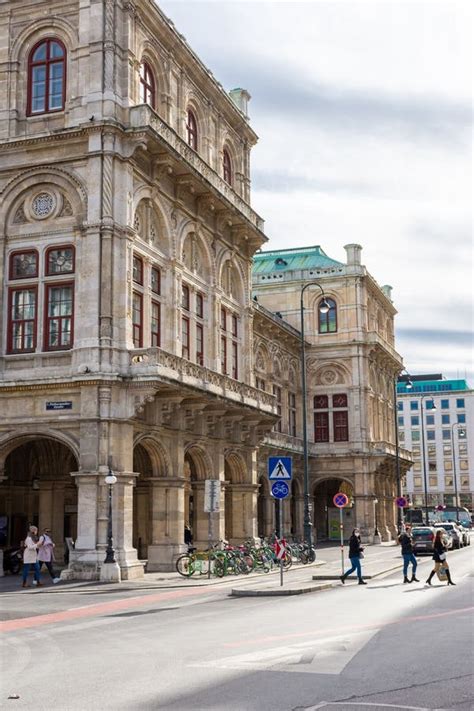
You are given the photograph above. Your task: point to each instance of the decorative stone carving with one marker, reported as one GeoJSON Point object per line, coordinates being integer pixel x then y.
{"type": "Point", "coordinates": [67, 208]}
{"type": "Point", "coordinates": [20, 217]}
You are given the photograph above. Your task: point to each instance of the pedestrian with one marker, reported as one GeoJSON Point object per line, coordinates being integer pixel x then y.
{"type": "Point", "coordinates": [406, 542]}
{"type": "Point", "coordinates": [439, 557]}
{"type": "Point", "coordinates": [30, 556]}
{"type": "Point", "coordinates": [188, 536]}
{"type": "Point", "coordinates": [355, 554]}
{"type": "Point", "coordinates": [46, 553]}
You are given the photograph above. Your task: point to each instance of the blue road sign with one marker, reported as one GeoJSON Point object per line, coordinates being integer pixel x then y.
{"type": "Point", "coordinates": [340, 500]}
{"type": "Point", "coordinates": [280, 490]}
{"type": "Point", "coordinates": [279, 468]}
{"type": "Point", "coordinates": [401, 502]}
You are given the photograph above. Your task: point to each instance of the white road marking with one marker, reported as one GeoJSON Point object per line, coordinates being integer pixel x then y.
{"type": "Point", "coordinates": [323, 655]}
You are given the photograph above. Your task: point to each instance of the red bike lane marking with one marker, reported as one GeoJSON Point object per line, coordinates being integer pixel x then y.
{"type": "Point", "coordinates": [97, 609]}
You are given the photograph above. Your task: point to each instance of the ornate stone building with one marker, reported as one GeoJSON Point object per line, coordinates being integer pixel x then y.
{"type": "Point", "coordinates": [129, 336]}
{"type": "Point", "coordinates": [351, 366]}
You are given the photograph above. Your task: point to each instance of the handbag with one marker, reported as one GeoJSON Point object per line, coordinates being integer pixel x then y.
{"type": "Point", "coordinates": [442, 573]}
{"type": "Point", "coordinates": [361, 555]}
{"type": "Point", "coordinates": [442, 556]}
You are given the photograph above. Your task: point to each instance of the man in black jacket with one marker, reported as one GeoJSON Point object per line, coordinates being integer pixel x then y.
{"type": "Point", "coordinates": [406, 541]}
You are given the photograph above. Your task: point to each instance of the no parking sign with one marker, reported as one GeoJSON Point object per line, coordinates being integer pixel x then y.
{"type": "Point", "coordinates": [340, 500]}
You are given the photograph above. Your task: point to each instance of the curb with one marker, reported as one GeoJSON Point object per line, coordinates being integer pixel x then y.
{"type": "Point", "coordinates": [279, 593]}
{"type": "Point", "coordinates": [354, 577]}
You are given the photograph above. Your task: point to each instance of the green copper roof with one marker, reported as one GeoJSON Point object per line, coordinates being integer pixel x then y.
{"type": "Point", "coordinates": [283, 260]}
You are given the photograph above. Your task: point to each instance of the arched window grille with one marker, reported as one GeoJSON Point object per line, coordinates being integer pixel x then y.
{"type": "Point", "coordinates": [46, 77]}
{"type": "Point", "coordinates": [191, 129]}
{"type": "Point", "coordinates": [327, 322]}
{"type": "Point", "coordinates": [147, 85]}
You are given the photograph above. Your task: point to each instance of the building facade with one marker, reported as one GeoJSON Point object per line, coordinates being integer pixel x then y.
{"type": "Point", "coordinates": [446, 433]}
{"type": "Point", "coordinates": [129, 336]}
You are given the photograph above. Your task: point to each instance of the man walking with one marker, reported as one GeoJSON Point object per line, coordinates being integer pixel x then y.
{"type": "Point", "coordinates": [406, 541]}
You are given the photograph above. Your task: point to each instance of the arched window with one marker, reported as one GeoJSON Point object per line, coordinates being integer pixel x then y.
{"type": "Point", "coordinates": [227, 167]}
{"type": "Point", "coordinates": [191, 129]}
{"type": "Point", "coordinates": [147, 85]}
{"type": "Point", "coordinates": [46, 77]}
{"type": "Point", "coordinates": [328, 321]}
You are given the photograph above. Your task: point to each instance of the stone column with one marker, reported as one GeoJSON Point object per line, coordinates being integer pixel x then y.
{"type": "Point", "coordinates": [122, 526]}
{"type": "Point", "coordinates": [269, 523]}
{"type": "Point", "coordinates": [85, 560]}
{"type": "Point", "coordinates": [167, 523]}
{"type": "Point", "coordinates": [244, 512]}
{"type": "Point", "coordinates": [57, 524]}
{"type": "Point", "coordinates": [298, 524]}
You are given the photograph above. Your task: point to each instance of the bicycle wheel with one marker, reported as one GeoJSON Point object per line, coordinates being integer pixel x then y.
{"type": "Point", "coordinates": [287, 561]}
{"type": "Point", "coordinates": [184, 565]}
{"type": "Point", "coordinates": [219, 568]}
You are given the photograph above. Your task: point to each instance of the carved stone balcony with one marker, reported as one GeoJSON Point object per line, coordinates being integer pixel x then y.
{"type": "Point", "coordinates": [155, 363]}
{"type": "Point", "coordinates": [143, 116]}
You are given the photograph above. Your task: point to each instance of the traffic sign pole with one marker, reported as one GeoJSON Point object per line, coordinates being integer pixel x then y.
{"type": "Point", "coordinates": [341, 528]}
{"type": "Point", "coordinates": [280, 507]}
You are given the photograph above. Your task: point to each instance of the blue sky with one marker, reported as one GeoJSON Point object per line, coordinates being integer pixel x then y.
{"type": "Point", "coordinates": [364, 113]}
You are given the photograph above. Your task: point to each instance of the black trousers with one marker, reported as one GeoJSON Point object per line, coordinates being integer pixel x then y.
{"type": "Point", "coordinates": [49, 566]}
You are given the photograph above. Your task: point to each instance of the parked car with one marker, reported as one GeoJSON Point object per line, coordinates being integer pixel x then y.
{"type": "Point", "coordinates": [466, 534]}
{"type": "Point", "coordinates": [452, 532]}
{"type": "Point", "coordinates": [423, 539]}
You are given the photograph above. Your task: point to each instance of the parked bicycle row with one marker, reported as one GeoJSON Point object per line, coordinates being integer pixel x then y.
{"type": "Point", "coordinates": [224, 559]}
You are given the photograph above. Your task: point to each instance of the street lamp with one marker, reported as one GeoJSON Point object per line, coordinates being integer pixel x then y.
{"type": "Point", "coordinates": [110, 479]}
{"type": "Point", "coordinates": [323, 308]}
{"type": "Point", "coordinates": [408, 386]}
{"type": "Point", "coordinates": [425, 484]}
{"type": "Point", "coordinates": [461, 435]}
{"type": "Point", "coordinates": [376, 530]}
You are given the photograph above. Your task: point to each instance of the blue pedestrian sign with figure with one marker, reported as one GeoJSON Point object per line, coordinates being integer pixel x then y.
{"type": "Point", "coordinates": [280, 490]}
{"type": "Point", "coordinates": [279, 468]}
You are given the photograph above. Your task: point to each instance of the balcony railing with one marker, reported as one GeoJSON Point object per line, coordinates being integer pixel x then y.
{"type": "Point", "coordinates": [143, 116]}
{"type": "Point", "coordinates": [155, 361]}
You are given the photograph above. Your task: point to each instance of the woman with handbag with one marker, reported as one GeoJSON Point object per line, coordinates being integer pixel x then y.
{"type": "Point", "coordinates": [439, 557]}
{"type": "Point", "coordinates": [355, 554]}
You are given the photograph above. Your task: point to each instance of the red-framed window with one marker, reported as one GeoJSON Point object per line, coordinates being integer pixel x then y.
{"type": "Point", "coordinates": [327, 323]}
{"type": "Point", "coordinates": [185, 337]}
{"type": "Point", "coordinates": [235, 326]}
{"type": "Point", "coordinates": [292, 414]}
{"type": "Point", "coordinates": [155, 324]}
{"type": "Point", "coordinates": [199, 344]}
{"type": "Point", "coordinates": [155, 280]}
{"type": "Point", "coordinates": [46, 77]}
{"type": "Point", "coordinates": [227, 166]}
{"type": "Point", "coordinates": [340, 426]}
{"type": "Point", "coordinates": [59, 260]}
{"type": "Point", "coordinates": [147, 85]}
{"type": "Point", "coordinates": [223, 319]}
{"type": "Point", "coordinates": [59, 316]}
{"type": "Point", "coordinates": [137, 319]}
{"type": "Point", "coordinates": [224, 355]}
{"type": "Point", "coordinates": [22, 319]}
{"type": "Point", "coordinates": [321, 402]}
{"type": "Point", "coordinates": [277, 393]}
{"type": "Point", "coordinates": [321, 427]}
{"type": "Point", "coordinates": [137, 269]}
{"type": "Point", "coordinates": [185, 300]}
{"type": "Point", "coordinates": [191, 130]}
{"type": "Point", "coordinates": [24, 264]}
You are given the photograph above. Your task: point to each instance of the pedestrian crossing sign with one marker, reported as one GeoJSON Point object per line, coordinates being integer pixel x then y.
{"type": "Point", "coordinates": [279, 468]}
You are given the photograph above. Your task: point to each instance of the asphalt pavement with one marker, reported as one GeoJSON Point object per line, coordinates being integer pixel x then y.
{"type": "Point", "coordinates": [179, 647]}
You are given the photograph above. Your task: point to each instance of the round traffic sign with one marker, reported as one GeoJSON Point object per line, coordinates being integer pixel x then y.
{"type": "Point", "coordinates": [401, 502]}
{"type": "Point", "coordinates": [340, 500]}
{"type": "Point", "coordinates": [280, 490]}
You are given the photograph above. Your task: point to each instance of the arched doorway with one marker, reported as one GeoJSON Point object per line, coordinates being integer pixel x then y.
{"type": "Point", "coordinates": [143, 466]}
{"type": "Point", "coordinates": [265, 509]}
{"type": "Point", "coordinates": [39, 489]}
{"type": "Point", "coordinates": [326, 515]}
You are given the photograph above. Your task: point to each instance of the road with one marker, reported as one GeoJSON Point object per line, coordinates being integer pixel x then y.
{"type": "Point", "coordinates": [353, 648]}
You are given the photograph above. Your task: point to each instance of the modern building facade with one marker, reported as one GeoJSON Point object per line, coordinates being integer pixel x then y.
{"type": "Point", "coordinates": [129, 336]}
{"type": "Point", "coordinates": [446, 463]}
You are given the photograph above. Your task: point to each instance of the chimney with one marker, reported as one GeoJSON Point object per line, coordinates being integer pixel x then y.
{"type": "Point", "coordinates": [241, 97]}
{"type": "Point", "coordinates": [387, 290]}
{"type": "Point", "coordinates": [353, 254]}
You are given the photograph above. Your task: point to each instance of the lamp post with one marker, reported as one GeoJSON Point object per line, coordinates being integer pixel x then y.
{"type": "Point", "coordinates": [323, 308]}
{"type": "Point", "coordinates": [425, 483]}
{"type": "Point", "coordinates": [376, 529]}
{"type": "Point", "coordinates": [110, 479]}
{"type": "Point", "coordinates": [408, 386]}
{"type": "Point", "coordinates": [461, 435]}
